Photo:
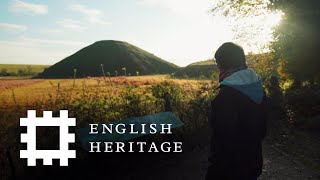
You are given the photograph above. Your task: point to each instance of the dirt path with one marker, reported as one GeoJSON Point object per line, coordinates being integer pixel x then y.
{"type": "Point", "coordinates": [192, 166]}
{"type": "Point", "coordinates": [189, 165]}
{"type": "Point", "coordinates": [279, 165]}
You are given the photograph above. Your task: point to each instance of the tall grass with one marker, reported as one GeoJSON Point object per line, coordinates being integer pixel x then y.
{"type": "Point", "coordinates": [125, 98]}
{"type": "Point", "coordinates": [100, 103]}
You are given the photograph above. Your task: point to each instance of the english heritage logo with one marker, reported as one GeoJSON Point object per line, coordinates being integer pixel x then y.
{"type": "Point", "coordinates": [32, 122]}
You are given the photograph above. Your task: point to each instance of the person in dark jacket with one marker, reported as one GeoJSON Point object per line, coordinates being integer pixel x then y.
{"type": "Point", "coordinates": [237, 119]}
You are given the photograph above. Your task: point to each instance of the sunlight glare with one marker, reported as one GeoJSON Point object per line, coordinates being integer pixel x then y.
{"type": "Point", "coordinates": [256, 32]}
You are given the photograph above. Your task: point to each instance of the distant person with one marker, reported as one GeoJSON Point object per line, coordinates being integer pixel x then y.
{"type": "Point", "coordinates": [237, 119]}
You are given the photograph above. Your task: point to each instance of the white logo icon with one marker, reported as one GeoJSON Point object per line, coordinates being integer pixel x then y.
{"type": "Point", "coordinates": [63, 122]}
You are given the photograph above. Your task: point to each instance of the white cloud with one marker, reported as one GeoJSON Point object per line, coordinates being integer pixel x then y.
{"type": "Point", "coordinates": [190, 8]}
{"type": "Point", "coordinates": [13, 27]}
{"type": "Point", "coordinates": [71, 24]}
{"type": "Point", "coordinates": [32, 8]}
{"type": "Point", "coordinates": [93, 16]}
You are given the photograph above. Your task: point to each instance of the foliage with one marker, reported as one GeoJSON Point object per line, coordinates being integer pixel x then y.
{"type": "Point", "coordinates": [305, 102]}
{"type": "Point", "coordinates": [294, 52]}
{"type": "Point", "coordinates": [296, 41]}
{"type": "Point", "coordinates": [198, 106]}
{"type": "Point", "coordinates": [137, 102]}
{"type": "Point", "coordinates": [168, 93]}
{"type": "Point", "coordinates": [240, 8]}
{"type": "Point", "coordinates": [304, 106]}
{"type": "Point", "coordinates": [263, 64]}
{"type": "Point", "coordinates": [91, 100]}
{"type": "Point", "coordinates": [249, 20]}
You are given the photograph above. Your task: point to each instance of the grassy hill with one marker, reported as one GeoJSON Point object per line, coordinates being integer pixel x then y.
{"type": "Point", "coordinates": [114, 56]}
{"type": "Point", "coordinates": [21, 69]}
{"type": "Point", "coordinates": [208, 69]}
{"type": "Point", "coordinates": [199, 70]}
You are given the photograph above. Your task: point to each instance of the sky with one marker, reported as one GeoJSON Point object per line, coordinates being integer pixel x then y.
{"type": "Point", "coordinates": [45, 32]}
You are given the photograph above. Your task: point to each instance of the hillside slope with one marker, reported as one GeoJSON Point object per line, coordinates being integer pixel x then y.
{"type": "Point", "coordinates": [114, 55]}
{"type": "Point", "coordinates": [202, 69]}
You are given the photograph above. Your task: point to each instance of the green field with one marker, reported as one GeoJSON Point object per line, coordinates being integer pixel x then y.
{"type": "Point", "coordinates": [21, 69]}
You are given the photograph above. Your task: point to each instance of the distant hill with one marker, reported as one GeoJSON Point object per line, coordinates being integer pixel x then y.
{"type": "Point", "coordinates": [199, 70]}
{"type": "Point", "coordinates": [208, 69]}
{"type": "Point", "coordinates": [21, 69]}
{"type": "Point", "coordinates": [114, 55]}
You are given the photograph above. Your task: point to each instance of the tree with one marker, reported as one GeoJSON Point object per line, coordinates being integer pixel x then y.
{"type": "Point", "coordinates": [21, 72]}
{"type": "Point", "coordinates": [4, 72]}
{"type": "Point", "coordinates": [124, 69]}
{"type": "Point", "coordinates": [247, 20]}
{"type": "Point", "coordinates": [29, 70]}
{"type": "Point", "coordinates": [295, 46]}
{"type": "Point", "coordinates": [297, 40]}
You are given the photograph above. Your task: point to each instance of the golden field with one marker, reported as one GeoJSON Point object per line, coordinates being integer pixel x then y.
{"type": "Point", "coordinates": [98, 98]}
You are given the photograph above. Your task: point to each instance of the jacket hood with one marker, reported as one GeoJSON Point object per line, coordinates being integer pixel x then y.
{"type": "Point", "coordinates": [247, 82]}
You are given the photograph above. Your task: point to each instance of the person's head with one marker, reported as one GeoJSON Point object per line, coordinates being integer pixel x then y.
{"type": "Point", "coordinates": [229, 56]}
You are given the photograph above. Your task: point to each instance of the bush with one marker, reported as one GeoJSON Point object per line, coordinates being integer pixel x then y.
{"type": "Point", "coordinates": [168, 92]}
{"type": "Point", "coordinates": [304, 105]}
{"type": "Point", "coordinates": [4, 72]}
